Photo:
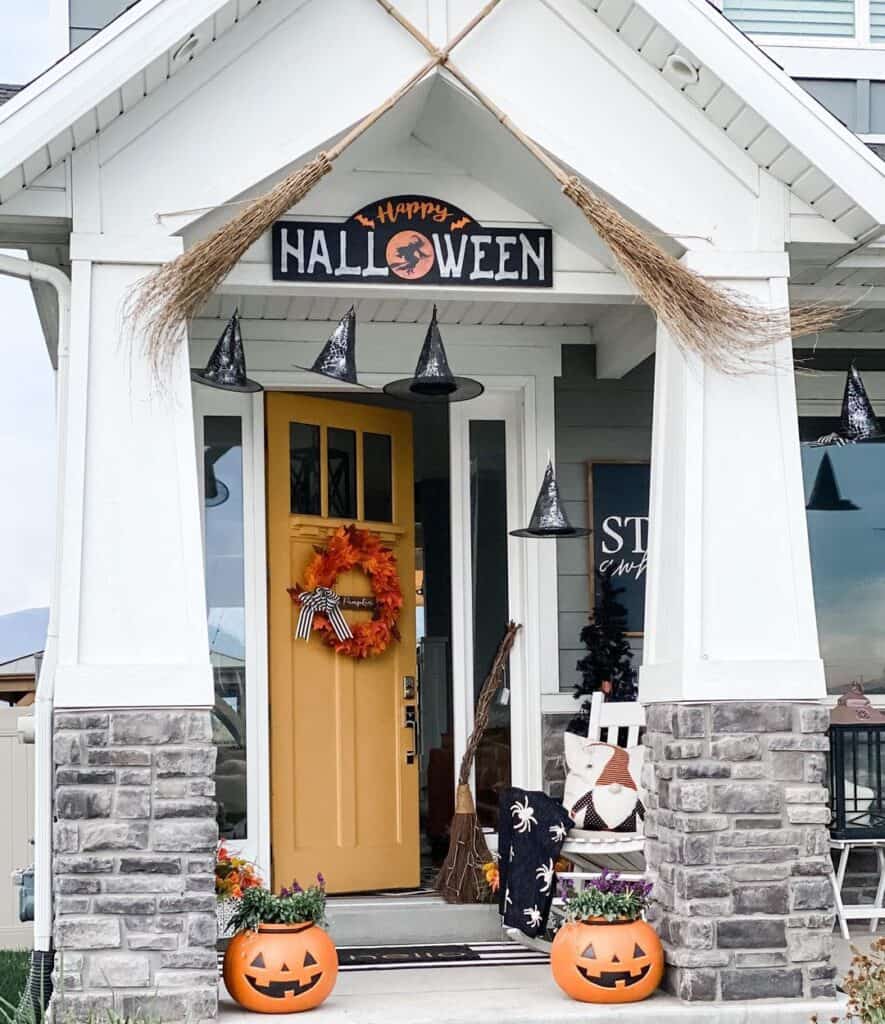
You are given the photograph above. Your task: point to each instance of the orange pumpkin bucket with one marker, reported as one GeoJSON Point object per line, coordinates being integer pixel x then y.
{"type": "Point", "coordinates": [598, 961]}
{"type": "Point", "coordinates": [281, 968]}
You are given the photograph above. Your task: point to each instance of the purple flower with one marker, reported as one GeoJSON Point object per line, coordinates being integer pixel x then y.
{"type": "Point", "coordinates": [321, 880]}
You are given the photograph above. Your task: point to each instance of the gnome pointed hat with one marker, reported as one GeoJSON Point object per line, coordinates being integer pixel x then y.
{"type": "Point", "coordinates": [859, 422]}
{"type": "Point", "coordinates": [617, 770]}
{"type": "Point", "coordinates": [226, 368]}
{"type": "Point", "coordinates": [825, 494]}
{"type": "Point", "coordinates": [548, 517]}
{"type": "Point", "coordinates": [433, 379]}
{"type": "Point", "coordinates": [337, 360]}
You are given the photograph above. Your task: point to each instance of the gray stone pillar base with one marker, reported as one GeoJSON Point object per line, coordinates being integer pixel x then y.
{"type": "Point", "coordinates": [134, 864]}
{"type": "Point", "coordinates": [738, 848]}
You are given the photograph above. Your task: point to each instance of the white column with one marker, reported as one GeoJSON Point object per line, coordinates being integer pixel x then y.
{"type": "Point", "coordinates": [132, 610]}
{"type": "Point", "coordinates": [729, 601]}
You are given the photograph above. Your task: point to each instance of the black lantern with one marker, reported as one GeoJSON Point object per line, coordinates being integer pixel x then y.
{"type": "Point", "coordinates": [433, 380]}
{"type": "Point", "coordinates": [857, 756]}
{"type": "Point", "coordinates": [226, 368]}
{"type": "Point", "coordinates": [549, 519]}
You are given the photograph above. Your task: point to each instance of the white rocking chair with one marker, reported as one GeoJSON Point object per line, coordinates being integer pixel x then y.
{"type": "Point", "coordinates": [592, 852]}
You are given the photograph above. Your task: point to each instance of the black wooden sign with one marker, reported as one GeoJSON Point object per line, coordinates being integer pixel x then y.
{"type": "Point", "coordinates": [618, 493]}
{"type": "Point", "coordinates": [412, 240]}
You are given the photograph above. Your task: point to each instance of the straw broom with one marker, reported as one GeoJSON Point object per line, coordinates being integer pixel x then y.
{"type": "Point", "coordinates": [460, 879]}
{"type": "Point", "coordinates": [725, 329]}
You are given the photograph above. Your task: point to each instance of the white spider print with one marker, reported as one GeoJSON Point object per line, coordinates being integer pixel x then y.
{"type": "Point", "coordinates": [545, 875]}
{"type": "Point", "coordinates": [508, 902]}
{"type": "Point", "coordinates": [524, 815]}
{"type": "Point", "coordinates": [533, 917]}
{"type": "Point", "coordinates": [558, 833]}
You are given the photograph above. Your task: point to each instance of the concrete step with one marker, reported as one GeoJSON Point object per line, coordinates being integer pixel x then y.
{"type": "Point", "coordinates": [409, 920]}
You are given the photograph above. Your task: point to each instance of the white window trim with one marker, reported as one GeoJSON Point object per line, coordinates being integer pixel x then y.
{"type": "Point", "coordinates": [250, 408]}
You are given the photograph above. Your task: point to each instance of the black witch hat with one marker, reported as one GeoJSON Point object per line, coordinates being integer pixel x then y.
{"type": "Point", "coordinates": [859, 422]}
{"type": "Point", "coordinates": [825, 494]}
{"type": "Point", "coordinates": [226, 368]}
{"type": "Point", "coordinates": [549, 518]}
{"type": "Point", "coordinates": [433, 379]}
{"type": "Point", "coordinates": [337, 360]}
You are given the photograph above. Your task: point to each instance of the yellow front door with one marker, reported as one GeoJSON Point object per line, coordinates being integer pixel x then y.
{"type": "Point", "coordinates": [344, 778]}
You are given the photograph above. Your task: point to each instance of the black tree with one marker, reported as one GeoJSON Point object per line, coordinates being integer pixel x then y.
{"type": "Point", "coordinates": [608, 665]}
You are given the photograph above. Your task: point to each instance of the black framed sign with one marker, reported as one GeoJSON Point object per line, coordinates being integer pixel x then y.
{"type": "Point", "coordinates": [412, 240]}
{"type": "Point", "coordinates": [618, 496]}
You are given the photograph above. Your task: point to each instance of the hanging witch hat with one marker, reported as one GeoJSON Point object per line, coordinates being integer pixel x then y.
{"type": "Point", "coordinates": [859, 422]}
{"type": "Point", "coordinates": [549, 518]}
{"type": "Point", "coordinates": [825, 494]}
{"type": "Point", "coordinates": [226, 368]}
{"type": "Point", "coordinates": [433, 379]}
{"type": "Point", "coordinates": [337, 360]}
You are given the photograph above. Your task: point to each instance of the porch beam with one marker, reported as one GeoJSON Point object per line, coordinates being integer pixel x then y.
{"type": "Point", "coordinates": [394, 334]}
{"type": "Point", "coordinates": [624, 338]}
{"type": "Point", "coordinates": [568, 286]}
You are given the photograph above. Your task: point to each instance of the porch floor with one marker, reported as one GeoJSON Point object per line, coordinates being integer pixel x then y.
{"type": "Point", "coordinates": [527, 994]}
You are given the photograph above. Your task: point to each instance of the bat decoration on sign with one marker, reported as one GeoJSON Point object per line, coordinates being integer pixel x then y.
{"type": "Point", "coordinates": [462, 223]}
{"type": "Point", "coordinates": [366, 222]}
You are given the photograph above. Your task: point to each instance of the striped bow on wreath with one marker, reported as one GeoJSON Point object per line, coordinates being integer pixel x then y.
{"type": "Point", "coordinates": [325, 601]}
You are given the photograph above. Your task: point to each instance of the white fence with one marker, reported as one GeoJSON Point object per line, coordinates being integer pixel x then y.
{"type": "Point", "coordinates": [16, 824]}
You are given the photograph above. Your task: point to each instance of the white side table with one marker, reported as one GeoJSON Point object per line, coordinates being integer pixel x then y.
{"type": "Point", "coordinates": [857, 911]}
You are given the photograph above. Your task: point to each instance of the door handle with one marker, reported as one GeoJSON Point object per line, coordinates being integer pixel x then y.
{"type": "Point", "coordinates": [411, 722]}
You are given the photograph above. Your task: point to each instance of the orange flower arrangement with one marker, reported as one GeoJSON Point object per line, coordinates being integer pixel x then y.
{"type": "Point", "coordinates": [233, 875]}
{"type": "Point", "coordinates": [493, 875]}
{"type": "Point", "coordinates": [350, 548]}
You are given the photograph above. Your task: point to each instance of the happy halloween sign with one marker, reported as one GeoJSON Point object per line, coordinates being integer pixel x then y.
{"type": "Point", "coordinates": [412, 240]}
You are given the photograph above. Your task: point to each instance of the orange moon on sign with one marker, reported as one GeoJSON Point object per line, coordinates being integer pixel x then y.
{"type": "Point", "coordinates": [410, 255]}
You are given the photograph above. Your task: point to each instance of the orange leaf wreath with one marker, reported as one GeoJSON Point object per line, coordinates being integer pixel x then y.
{"type": "Point", "coordinates": [350, 548]}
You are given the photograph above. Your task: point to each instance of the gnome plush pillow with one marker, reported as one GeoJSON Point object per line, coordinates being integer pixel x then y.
{"type": "Point", "coordinates": [602, 786]}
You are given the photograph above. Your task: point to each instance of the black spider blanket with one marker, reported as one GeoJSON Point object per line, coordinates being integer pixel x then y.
{"type": "Point", "coordinates": [531, 830]}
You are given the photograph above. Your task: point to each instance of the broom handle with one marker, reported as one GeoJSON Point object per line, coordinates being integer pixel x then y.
{"type": "Point", "coordinates": [437, 57]}
{"type": "Point", "coordinates": [442, 57]}
{"type": "Point", "coordinates": [483, 705]}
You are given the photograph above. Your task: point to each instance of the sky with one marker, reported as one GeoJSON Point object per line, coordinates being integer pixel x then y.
{"type": "Point", "coordinates": [27, 382]}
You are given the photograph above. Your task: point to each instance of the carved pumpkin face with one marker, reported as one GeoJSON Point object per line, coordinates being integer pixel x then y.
{"type": "Point", "coordinates": [620, 962]}
{"type": "Point", "coordinates": [281, 968]}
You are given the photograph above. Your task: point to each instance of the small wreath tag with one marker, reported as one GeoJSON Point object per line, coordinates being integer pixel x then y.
{"type": "Point", "coordinates": [321, 605]}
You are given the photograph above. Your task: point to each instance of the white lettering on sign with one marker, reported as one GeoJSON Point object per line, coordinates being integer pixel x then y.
{"type": "Point", "coordinates": [342, 267]}
{"type": "Point", "coordinates": [528, 253]}
{"type": "Point", "coordinates": [449, 264]}
{"type": "Point", "coordinates": [295, 251]}
{"type": "Point", "coordinates": [371, 269]}
{"type": "Point", "coordinates": [504, 243]}
{"type": "Point", "coordinates": [630, 532]}
{"type": "Point", "coordinates": [319, 253]}
{"type": "Point", "coordinates": [479, 242]}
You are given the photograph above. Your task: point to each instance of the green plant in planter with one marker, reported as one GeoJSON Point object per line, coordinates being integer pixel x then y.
{"type": "Point", "coordinates": [290, 906]}
{"type": "Point", "coordinates": [865, 984]}
{"type": "Point", "coordinates": [609, 897]}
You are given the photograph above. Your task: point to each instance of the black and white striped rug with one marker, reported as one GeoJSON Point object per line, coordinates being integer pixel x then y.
{"type": "Point", "coordinates": [474, 954]}
{"type": "Point", "coordinates": [452, 954]}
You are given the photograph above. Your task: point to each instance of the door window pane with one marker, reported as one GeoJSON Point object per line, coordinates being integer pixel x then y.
{"type": "Point", "coordinates": [377, 478]}
{"type": "Point", "coordinates": [488, 548]}
{"type": "Point", "coordinates": [225, 598]}
{"type": "Point", "coordinates": [304, 457]}
{"type": "Point", "coordinates": [342, 473]}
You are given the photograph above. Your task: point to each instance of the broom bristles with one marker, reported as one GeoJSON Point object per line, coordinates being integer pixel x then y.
{"type": "Point", "coordinates": [169, 299]}
{"type": "Point", "coordinates": [460, 879]}
{"type": "Point", "coordinates": [725, 329]}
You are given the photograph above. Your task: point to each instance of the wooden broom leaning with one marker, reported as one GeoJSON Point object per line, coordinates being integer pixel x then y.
{"type": "Point", "coordinates": [461, 879]}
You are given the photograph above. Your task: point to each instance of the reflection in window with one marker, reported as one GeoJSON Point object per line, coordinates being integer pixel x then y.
{"type": "Point", "coordinates": [845, 501]}
{"type": "Point", "coordinates": [225, 598]}
{"type": "Point", "coordinates": [304, 472]}
{"type": "Point", "coordinates": [488, 549]}
{"type": "Point", "coordinates": [377, 478]}
{"type": "Point", "coordinates": [342, 473]}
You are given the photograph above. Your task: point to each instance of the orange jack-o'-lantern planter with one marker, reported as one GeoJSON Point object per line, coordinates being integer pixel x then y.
{"type": "Point", "coordinates": [598, 961]}
{"type": "Point", "coordinates": [281, 968]}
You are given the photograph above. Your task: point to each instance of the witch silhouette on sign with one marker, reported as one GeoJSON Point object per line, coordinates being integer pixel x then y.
{"type": "Point", "coordinates": [410, 255]}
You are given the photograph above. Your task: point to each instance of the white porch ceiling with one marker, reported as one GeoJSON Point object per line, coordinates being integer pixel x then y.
{"type": "Point", "coordinates": [403, 311]}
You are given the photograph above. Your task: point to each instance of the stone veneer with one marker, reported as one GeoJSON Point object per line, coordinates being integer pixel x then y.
{"type": "Point", "coordinates": [133, 865]}
{"type": "Point", "coordinates": [738, 848]}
